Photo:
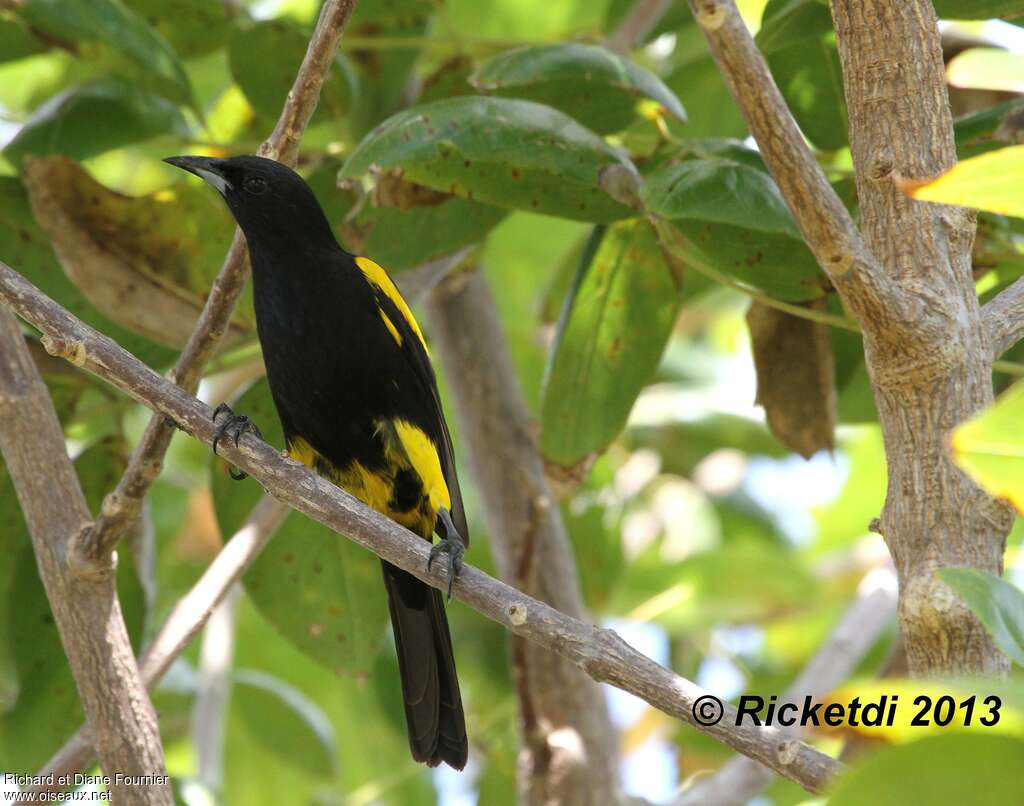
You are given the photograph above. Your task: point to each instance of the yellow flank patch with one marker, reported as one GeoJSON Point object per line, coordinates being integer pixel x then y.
{"type": "Point", "coordinates": [391, 326]}
{"type": "Point", "coordinates": [371, 488]}
{"type": "Point", "coordinates": [376, 489]}
{"type": "Point", "coordinates": [302, 451]}
{"type": "Point", "coordinates": [376, 275]}
{"type": "Point", "coordinates": [422, 455]}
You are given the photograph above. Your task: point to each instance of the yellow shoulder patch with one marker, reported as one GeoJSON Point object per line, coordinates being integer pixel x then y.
{"type": "Point", "coordinates": [376, 275]}
{"type": "Point", "coordinates": [391, 328]}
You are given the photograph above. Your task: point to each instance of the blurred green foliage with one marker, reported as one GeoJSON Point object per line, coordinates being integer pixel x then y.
{"type": "Point", "coordinates": [445, 124]}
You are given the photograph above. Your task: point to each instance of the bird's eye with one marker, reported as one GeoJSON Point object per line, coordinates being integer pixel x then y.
{"type": "Point", "coordinates": [255, 184]}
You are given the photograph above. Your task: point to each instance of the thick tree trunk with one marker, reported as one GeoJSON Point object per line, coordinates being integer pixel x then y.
{"type": "Point", "coordinates": [934, 515]}
{"type": "Point", "coordinates": [121, 719]}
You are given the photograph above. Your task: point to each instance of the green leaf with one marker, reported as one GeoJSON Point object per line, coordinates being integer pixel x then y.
{"type": "Point", "coordinates": [780, 265]}
{"type": "Point", "coordinates": [997, 604]}
{"type": "Point", "coordinates": [322, 592]}
{"type": "Point", "coordinates": [192, 27]}
{"type": "Point", "coordinates": [533, 19]}
{"type": "Point", "coordinates": [27, 249]}
{"type": "Point", "coordinates": [990, 447]}
{"type": "Point", "coordinates": [979, 132]}
{"type": "Point", "coordinates": [787, 22]}
{"type": "Point", "coordinates": [515, 255]}
{"type": "Point", "coordinates": [402, 239]}
{"type": "Point", "coordinates": [797, 39]}
{"type": "Point", "coordinates": [683, 443]}
{"type": "Point", "coordinates": [16, 41]}
{"type": "Point", "coordinates": [501, 151]}
{"type": "Point", "coordinates": [609, 342]}
{"type": "Point", "coordinates": [372, 750]}
{"type": "Point", "coordinates": [28, 82]}
{"type": "Point", "coordinates": [734, 583]}
{"type": "Point", "coordinates": [720, 190]}
{"type": "Point", "coordinates": [712, 111]}
{"type": "Point", "coordinates": [595, 531]}
{"type": "Point", "coordinates": [302, 734]}
{"type": "Point", "coordinates": [978, 9]}
{"type": "Point", "coordinates": [856, 400]}
{"type": "Point", "coordinates": [598, 88]}
{"type": "Point", "coordinates": [106, 30]}
{"type": "Point", "coordinates": [954, 768]}
{"type": "Point", "coordinates": [987, 69]}
{"type": "Point", "coordinates": [264, 60]}
{"type": "Point", "coordinates": [94, 118]}
{"type": "Point", "coordinates": [844, 520]}
{"type": "Point", "coordinates": [166, 248]}
{"type": "Point", "coordinates": [384, 72]}
{"type": "Point", "coordinates": [810, 78]}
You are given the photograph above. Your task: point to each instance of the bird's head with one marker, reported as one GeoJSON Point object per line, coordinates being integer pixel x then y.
{"type": "Point", "coordinates": [270, 202]}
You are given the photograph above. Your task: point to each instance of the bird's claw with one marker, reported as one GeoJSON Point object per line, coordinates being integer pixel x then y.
{"type": "Point", "coordinates": [233, 427]}
{"type": "Point", "coordinates": [454, 549]}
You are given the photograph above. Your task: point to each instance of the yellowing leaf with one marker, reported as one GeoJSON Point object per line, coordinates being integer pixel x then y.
{"type": "Point", "coordinates": [990, 447]}
{"type": "Point", "coordinates": [918, 707]}
{"type": "Point", "coordinates": [987, 69]}
{"type": "Point", "coordinates": [990, 181]}
{"type": "Point", "coordinates": [144, 262]}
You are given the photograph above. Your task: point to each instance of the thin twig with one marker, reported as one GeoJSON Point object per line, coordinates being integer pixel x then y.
{"type": "Point", "coordinates": [740, 779]}
{"type": "Point", "coordinates": [1003, 317]}
{"type": "Point", "coordinates": [601, 653]}
{"type": "Point", "coordinates": [189, 616]}
{"type": "Point", "coordinates": [121, 507]}
{"type": "Point", "coordinates": [86, 610]}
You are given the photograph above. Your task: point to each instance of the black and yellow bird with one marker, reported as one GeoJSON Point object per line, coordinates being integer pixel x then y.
{"type": "Point", "coordinates": [354, 389]}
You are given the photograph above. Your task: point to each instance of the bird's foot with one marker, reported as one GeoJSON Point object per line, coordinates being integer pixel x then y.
{"type": "Point", "coordinates": [233, 426]}
{"type": "Point", "coordinates": [452, 545]}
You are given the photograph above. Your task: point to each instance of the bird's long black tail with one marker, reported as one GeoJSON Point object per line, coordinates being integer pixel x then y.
{"type": "Point", "coordinates": [430, 687]}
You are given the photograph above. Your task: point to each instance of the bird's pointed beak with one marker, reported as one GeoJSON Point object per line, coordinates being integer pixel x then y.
{"type": "Point", "coordinates": [209, 169]}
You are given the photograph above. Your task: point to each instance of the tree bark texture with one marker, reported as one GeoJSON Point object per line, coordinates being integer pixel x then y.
{"type": "Point", "coordinates": [121, 718]}
{"type": "Point", "coordinates": [905, 275]}
{"type": "Point", "coordinates": [924, 386]}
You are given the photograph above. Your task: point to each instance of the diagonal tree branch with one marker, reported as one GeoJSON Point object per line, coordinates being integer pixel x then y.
{"type": "Point", "coordinates": [569, 752]}
{"type": "Point", "coordinates": [740, 779]}
{"type": "Point", "coordinates": [122, 506]}
{"type": "Point", "coordinates": [191, 613]}
{"type": "Point", "coordinates": [1003, 318]}
{"type": "Point", "coordinates": [601, 653]}
{"type": "Point", "coordinates": [86, 610]}
{"type": "Point", "coordinates": [189, 616]}
{"type": "Point", "coordinates": [639, 21]}
{"type": "Point", "coordinates": [824, 222]}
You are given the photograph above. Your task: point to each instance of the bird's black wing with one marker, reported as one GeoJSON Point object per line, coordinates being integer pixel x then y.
{"type": "Point", "coordinates": [413, 347]}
